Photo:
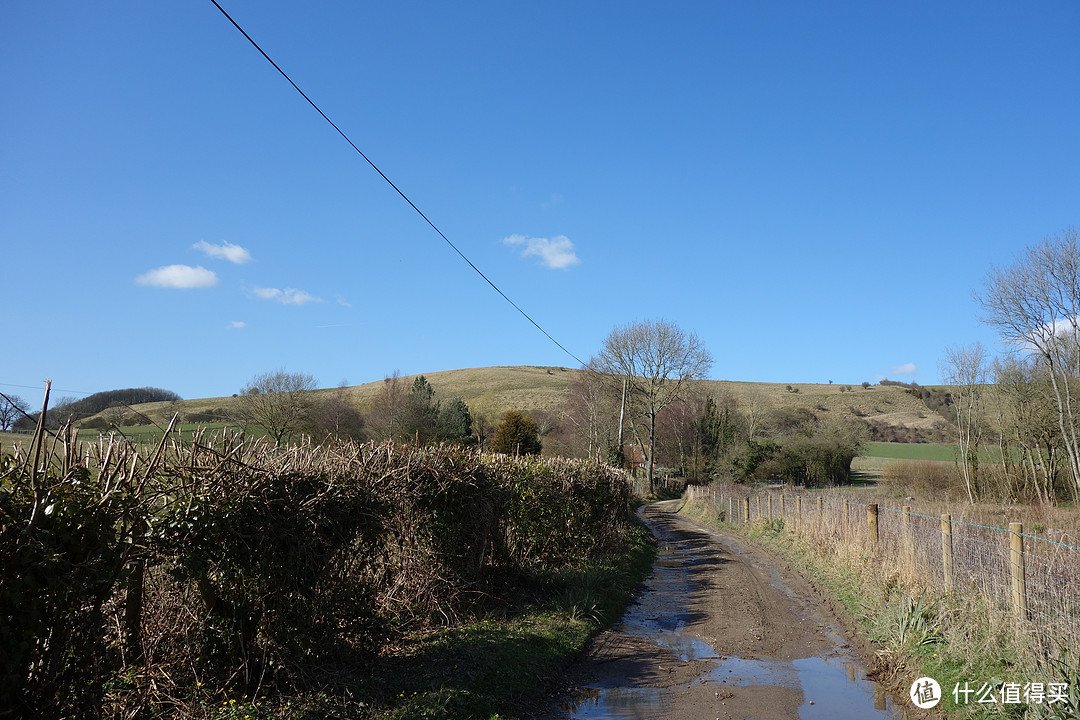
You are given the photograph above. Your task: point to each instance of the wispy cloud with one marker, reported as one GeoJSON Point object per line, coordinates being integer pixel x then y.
{"type": "Point", "coordinates": [179, 276]}
{"type": "Point", "coordinates": [288, 296]}
{"type": "Point", "coordinates": [225, 251]}
{"type": "Point", "coordinates": [343, 302]}
{"type": "Point", "coordinates": [905, 369]}
{"type": "Point", "coordinates": [557, 252]}
{"type": "Point", "coordinates": [236, 324]}
{"type": "Point", "coordinates": [555, 200]}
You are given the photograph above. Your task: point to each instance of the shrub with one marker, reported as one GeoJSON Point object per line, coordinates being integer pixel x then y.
{"type": "Point", "coordinates": [924, 477]}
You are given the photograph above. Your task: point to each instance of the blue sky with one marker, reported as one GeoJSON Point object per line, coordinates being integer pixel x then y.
{"type": "Point", "coordinates": [816, 189]}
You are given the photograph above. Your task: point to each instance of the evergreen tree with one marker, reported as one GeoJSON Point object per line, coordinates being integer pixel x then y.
{"type": "Point", "coordinates": [420, 413]}
{"type": "Point", "coordinates": [516, 434]}
{"type": "Point", "coordinates": [454, 423]}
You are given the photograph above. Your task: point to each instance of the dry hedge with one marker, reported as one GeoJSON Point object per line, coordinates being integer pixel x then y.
{"type": "Point", "coordinates": [127, 576]}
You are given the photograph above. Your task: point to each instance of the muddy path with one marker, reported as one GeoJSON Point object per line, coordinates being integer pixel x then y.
{"type": "Point", "coordinates": [719, 630]}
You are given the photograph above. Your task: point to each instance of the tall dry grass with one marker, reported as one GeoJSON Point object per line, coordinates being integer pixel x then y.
{"type": "Point", "coordinates": [966, 625]}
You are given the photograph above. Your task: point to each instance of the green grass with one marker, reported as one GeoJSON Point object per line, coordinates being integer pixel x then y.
{"type": "Point", "coordinates": [910, 451]}
{"type": "Point", "coordinates": [925, 451]}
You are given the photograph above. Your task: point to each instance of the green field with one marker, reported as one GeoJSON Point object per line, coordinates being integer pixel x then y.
{"type": "Point", "coordinates": [925, 451]}
{"type": "Point", "coordinates": [910, 451]}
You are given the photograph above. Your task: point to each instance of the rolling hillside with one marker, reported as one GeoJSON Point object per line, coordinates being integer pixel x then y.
{"type": "Point", "coordinates": [490, 391]}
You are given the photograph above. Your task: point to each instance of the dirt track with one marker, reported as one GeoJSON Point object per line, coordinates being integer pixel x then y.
{"type": "Point", "coordinates": [720, 630]}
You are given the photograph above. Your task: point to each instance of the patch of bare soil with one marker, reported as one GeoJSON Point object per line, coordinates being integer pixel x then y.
{"type": "Point", "coordinates": [720, 630]}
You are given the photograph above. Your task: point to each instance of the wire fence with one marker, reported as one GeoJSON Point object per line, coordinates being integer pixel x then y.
{"type": "Point", "coordinates": [1030, 580]}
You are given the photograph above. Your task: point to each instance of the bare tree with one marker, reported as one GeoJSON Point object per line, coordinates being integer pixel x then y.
{"type": "Point", "coordinates": [964, 368]}
{"type": "Point", "coordinates": [337, 416]}
{"type": "Point", "coordinates": [279, 402]}
{"type": "Point", "coordinates": [386, 418]}
{"type": "Point", "coordinates": [12, 408]}
{"type": "Point", "coordinates": [656, 359]}
{"type": "Point", "coordinates": [1027, 416]}
{"type": "Point", "coordinates": [679, 434]}
{"type": "Point", "coordinates": [754, 412]}
{"type": "Point", "coordinates": [1034, 304]}
{"type": "Point", "coordinates": [588, 426]}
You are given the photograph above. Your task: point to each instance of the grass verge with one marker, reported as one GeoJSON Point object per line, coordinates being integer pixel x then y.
{"type": "Point", "coordinates": [494, 667]}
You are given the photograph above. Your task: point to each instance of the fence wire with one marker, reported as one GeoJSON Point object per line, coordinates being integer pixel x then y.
{"type": "Point", "coordinates": [1022, 577]}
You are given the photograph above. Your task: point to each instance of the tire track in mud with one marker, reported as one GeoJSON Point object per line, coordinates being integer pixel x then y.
{"type": "Point", "coordinates": [719, 631]}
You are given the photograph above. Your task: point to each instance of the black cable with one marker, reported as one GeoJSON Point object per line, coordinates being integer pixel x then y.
{"type": "Point", "coordinates": [391, 184]}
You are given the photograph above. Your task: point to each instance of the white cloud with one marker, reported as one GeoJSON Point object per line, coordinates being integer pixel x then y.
{"type": "Point", "coordinates": [288, 296]}
{"type": "Point", "coordinates": [905, 369]}
{"type": "Point", "coordinates": [343, 302]}
{"type": "Point", "coordinates": [557, 252]}
{"type": "Point", "coordinates": [225, 251]}
{"type": "Point", "coordinates": [236, 324]}
{"type": "Point", "coordinates": [179, 276]}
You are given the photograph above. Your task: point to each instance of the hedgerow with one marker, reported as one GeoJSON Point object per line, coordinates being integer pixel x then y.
{"type": "Point", "coordinates": [132, 580]}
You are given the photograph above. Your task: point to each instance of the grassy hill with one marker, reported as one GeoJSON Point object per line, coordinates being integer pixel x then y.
{"type": "Point", "coordinates": [490, 391]}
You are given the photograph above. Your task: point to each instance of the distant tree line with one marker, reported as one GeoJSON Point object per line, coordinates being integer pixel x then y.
{"type": "Point", "coordinates": [72, 410]}
{"type": "Point", "coordinates": [285, 405]}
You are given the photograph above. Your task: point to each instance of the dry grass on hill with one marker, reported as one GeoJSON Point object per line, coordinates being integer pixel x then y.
{"type": "Point", "coordinates": [490, 391]}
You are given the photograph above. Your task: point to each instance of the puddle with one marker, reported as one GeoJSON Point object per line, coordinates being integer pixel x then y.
{"type": "Point", "coordinates": [835, 685]}
{"type": "Point", "coordinates": [619, 703]}
{"type": "Point", "coordinates": [840, 692]}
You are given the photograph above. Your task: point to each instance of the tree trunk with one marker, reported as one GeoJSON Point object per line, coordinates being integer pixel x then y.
{"type": "Point", "coordinates": [652, 445]}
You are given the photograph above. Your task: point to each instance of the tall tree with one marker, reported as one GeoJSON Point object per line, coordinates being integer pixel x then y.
{"type": "Point", "coordinates": [588, 418]}
{"type": "Point", "coordinates": [385, 418]}
{"type": "Point", "coordinates": [964, 368]}
{"type": "Point", "coordinates": [654, 360]}
{"type": "Point", "coordinates": [1034, 304]}
{"type": "Point", "coordinates": [421, 413]}
{"type": "Point", "coordinates": [279, 402]}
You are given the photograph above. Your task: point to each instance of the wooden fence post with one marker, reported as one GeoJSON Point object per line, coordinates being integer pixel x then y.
{"type": "Point", "coordinates": [1017, 569]}
{"type": "Point", "coordinates": [798, 512]}
{"type": "Point", "coordinates": [820, 512]}
{"type": "Point", "coordinates": [770, 508]}
{"type": "Point", "coordinates": [906, 539]}
{"type": "Point", "coordinates": [946, 552]}
{"type": "Point", "coordinates": [872, 527]}
{"type": "Point", "coordinates": [746, 509]}
{"type": "Point", "coordinates": [783, 508]}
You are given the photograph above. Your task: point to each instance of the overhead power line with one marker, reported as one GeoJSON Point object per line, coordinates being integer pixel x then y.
{"type": "Point", "coordinates": [391, 184]}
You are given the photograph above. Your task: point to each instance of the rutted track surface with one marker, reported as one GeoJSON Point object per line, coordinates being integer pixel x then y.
{"type": "Point", "coordinates": [718, 631]}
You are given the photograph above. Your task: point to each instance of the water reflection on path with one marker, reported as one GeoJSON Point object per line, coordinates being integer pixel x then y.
{"type": "Point", "coordinates": [833, 686]}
